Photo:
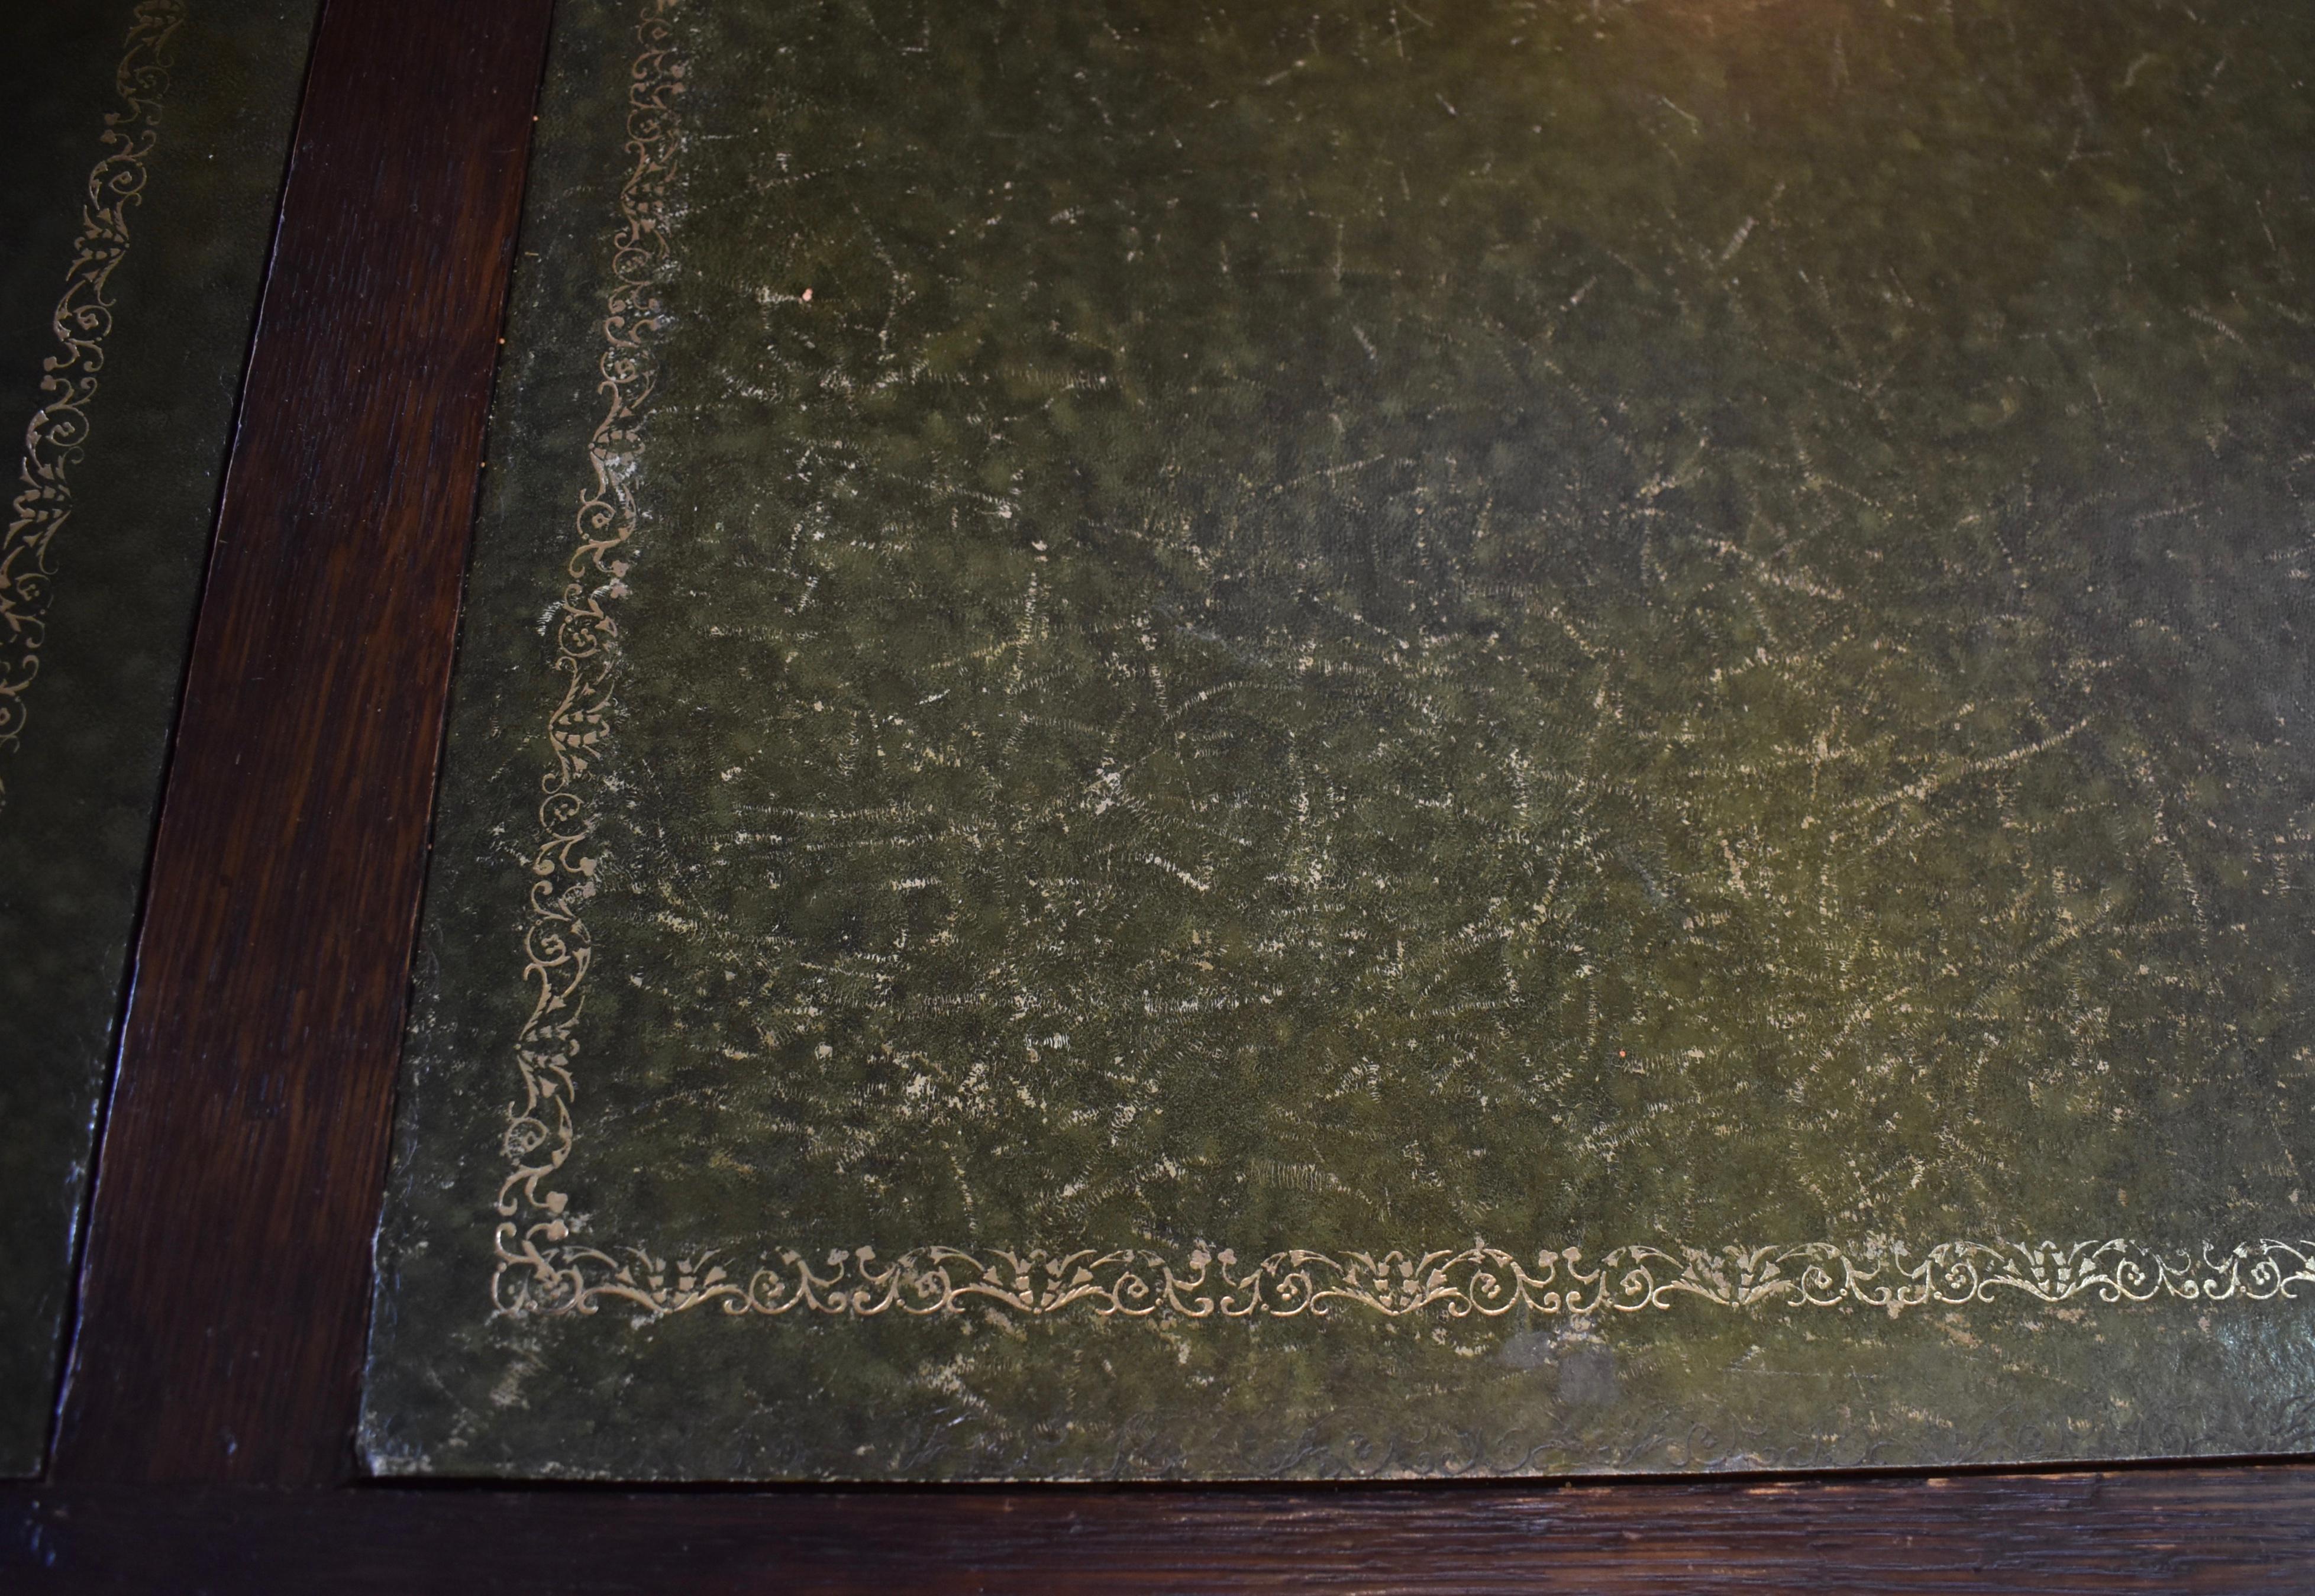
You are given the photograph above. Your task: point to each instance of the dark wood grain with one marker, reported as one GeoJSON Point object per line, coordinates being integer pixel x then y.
{"type": "Point", "coordinates": [224, 1294]}
{"type": "Point", "coordinates": [2172, 1531]}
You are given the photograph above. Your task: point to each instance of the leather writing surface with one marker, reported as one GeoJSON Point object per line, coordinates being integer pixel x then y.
{"type": "Point", "coordinates": [144, 149]}
{"type": "Point", "coordinates": [1257, 742]}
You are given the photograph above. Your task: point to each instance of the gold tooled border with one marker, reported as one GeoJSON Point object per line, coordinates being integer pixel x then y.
{"type": "Point", "coordinates": [540, 1271]}
{"type": "Point", "coordinates": [58, 433]}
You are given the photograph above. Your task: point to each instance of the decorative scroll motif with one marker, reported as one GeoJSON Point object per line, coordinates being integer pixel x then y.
{"type": "Point", "coordinates": [58, 431]}
{"type": "Point", "coordinates": [1488, 1281]}
{"type": "Point", "coordinates": [540, 1271]}
{"type": "Point", "coordinates": [557, 952]}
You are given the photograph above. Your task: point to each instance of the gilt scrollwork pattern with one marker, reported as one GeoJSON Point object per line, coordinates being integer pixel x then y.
{"type": "Point", "coordinates": [1486, 1281]}
{"type": "Point", "coordinates": [557, 953]}
{"type": "Point", "coordinates": [59, 432]}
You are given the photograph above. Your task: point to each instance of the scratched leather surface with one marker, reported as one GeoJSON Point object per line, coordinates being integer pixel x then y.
{"type": "Point", "coordinates": [202, 149]}
{"type": "Point", "coordinates": [1478, 631]}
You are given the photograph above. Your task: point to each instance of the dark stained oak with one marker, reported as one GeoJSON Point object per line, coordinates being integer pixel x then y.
{"type": "Point", "coordinates": [225, 1288]}
{"type": "Point", "coordinates": [2216, 1530]}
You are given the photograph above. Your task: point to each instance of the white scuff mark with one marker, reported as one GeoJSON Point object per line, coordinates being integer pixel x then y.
{"type": "Point", "coordinates": [1695, 124]}
{"type": "Point", "coordinates": [1965, 768]}
{"type": "Point", "coordinates": [2216, 325]}
{"type": "Point", "coordinates": [1172, 869]}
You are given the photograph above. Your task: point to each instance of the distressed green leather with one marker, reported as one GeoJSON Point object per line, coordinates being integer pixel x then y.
{"type": "Point", "coordinates": [1262, 740]}
{"type": "Point", "coordinates": [141, 151]}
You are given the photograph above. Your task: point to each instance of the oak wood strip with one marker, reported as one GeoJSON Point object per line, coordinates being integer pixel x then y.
{"type": "Point", "coordinates": [224, 1293]}
{"type": "Point", "coordinates": [2171, 1530]}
